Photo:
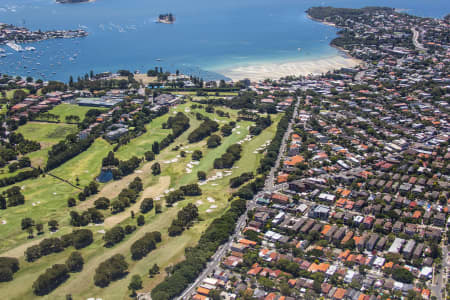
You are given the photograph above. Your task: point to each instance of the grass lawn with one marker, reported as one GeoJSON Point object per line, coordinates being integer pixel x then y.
{"type": "Point", "coordinates": [52, 195]}
{"type": "Point", "coordinates": [4, 172]}
{"type": "Point", "coordinates": [64, 110]}
{"type": "Point", "coordinates": [86, 166]}
{"type": "Point", "coordinates": [46, 133]}
{"type": "Point", "coordinates": [38, 158]}
{"type": "Point", "coordinates": [143, 143]}
{"type": "Point", "coordinates": [3, 109]}
{"type": "Point", "coordinates": [10, 93]}
{"type": "Point", "coordinates": [49, 195]}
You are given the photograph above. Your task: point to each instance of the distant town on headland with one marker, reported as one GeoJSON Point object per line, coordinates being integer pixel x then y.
{"type": "Point", "coordinates": [72, 1]}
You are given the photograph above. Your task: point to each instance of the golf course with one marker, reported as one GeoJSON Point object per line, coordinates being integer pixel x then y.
{"type": "Point", "coordinates": [46, 198]}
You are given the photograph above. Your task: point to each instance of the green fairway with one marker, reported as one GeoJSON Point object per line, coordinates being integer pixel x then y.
{"type": "Point", "coordinates": [85, 166]}
{"type": "Point", "coordinates": [50, 202]}
{"type": "Point", "coordinates": [155, 132]}
{"type": "Point", "coordinates": [143, 143]}
{"type": "Point", "coordinates": [4, 172]}
{"type": "Point", "coordinates": [39, 158]}
{"type": "Point", "coordinates": [64, 110]}
{"type": "Point", "coordinates": [49, 195]}
{"type": "Point", "coordinates": [46, 133]}
{"type": "Point", "coordinates": [45, 199]}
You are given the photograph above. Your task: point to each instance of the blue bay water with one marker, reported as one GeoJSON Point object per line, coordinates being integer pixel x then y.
{"type": "Point", "coordinates": [207, 35]}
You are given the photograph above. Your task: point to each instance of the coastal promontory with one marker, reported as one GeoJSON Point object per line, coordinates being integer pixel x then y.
{"type": "Point", "coordinates": [72, 1]}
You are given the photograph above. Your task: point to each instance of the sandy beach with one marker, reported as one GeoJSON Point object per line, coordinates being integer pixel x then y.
{"type": "Point", "coordinates": [301, 67]}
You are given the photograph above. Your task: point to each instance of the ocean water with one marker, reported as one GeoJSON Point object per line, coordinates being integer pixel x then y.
{"type": "Point", "coordinates": [208, 35]}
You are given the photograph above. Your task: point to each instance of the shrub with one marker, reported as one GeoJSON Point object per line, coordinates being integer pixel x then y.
{"type": "Point", "coordinates": [140, 220]}
{"type": "Point", "coordinates": [130, 229]}
{"type": "Point", "coordinates": [149, 155]}
{"type": "Point", "coordinates": [33, 253]}
{"type": "Point", "coordinates": [191, 190]}
{"type": "Point", "coordinates": [26, 223]}
{"type": "Point", "coordinates": [214, 141]}
{"type": "Point", "coordinates": [114, 236]}
{"type": "Point", "coordinates": [111, 269]}
{"type": "Point", "coordinates": [11, 263]}
{"type": "Point", "coordinates": [82, 238]}
{"type": "Point", "coordinates": [205, 129]}
{"type": "Point", "coordinates": [51, 279]}
{"type": "Point", "coordinates": [227, 160]}
{"type": "Point", "coordinates": [145, 245]}
{"type": "Point", "coordinates": [156, 169]}
{"type": "Point", "coordinates": [197, 155]}
{"type": "Point", "coordinates": [71, 202]}
{"type": "Point", "coordinates": [402, 275]}
{"type": "Point", "coordinates": [239, 180]}
{"type": "Point", "coordinates": [75, 262]}
{"type": "Point", "coordinates": [201, 175]}
{"type": "Point", "coordinates": [8, 266]}
{"type": "Point", "coordinates": [102, 203]}
{"type": "Point", "coordinates": [5, 274]}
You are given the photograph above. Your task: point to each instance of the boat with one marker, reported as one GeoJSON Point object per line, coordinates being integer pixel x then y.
{"type": "Point", "coordinates": [158, 59]}
{"type": "Point", "coordinates": [14, 46]}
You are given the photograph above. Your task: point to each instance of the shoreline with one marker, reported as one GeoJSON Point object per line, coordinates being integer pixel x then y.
{"type": "Point", "coordinates": [296, 67]}
{"type": "Point", "coordinates": [323, 22]}
{"type": "Point", "coordinates": [275, 70]}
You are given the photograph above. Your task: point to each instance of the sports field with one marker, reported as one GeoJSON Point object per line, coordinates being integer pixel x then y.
{"type": "Point", "coordinates": [46, 133]}
{"type": "Point", "coordinates": [64, 110]}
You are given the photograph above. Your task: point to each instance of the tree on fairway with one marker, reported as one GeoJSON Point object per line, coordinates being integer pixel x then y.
{"type": "Point", "coordinates": [140, 220]}
{"type": "Point", "coordinates": [153, 270]}
{"type": "Point", "coordinates": [156, 169]}
{"type": "Point", "coordinates": [155, 148]}
{"type": "Point", "coordinates": [40, 228]}
{"type": "Point", "coordinates": [75, 262]}
{"type": "Point", "coordinates": [135, 284]}
{"type": "Point", "coordinates": [53, 225]}
{"type": "Point", "coordinates": [201, 175]}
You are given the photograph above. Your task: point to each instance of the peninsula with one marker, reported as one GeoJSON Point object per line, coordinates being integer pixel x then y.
{"type": "Point", "coordinates": [13, 34]}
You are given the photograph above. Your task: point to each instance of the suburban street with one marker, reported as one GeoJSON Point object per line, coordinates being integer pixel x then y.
{"type": "Point", "coordinates": [269, 187]}
{"type": "Point", "coordinates": [270, 181]}
{"type": "Point", "coordinates": [416, 39]}
{"type": "Point", "coordinates": [439, 279]}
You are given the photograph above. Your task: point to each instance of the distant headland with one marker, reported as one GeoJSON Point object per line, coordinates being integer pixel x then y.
{"type": "Point", "coordinates": [73, 1]}
{"type": "Point", "coordinates": [166, 19]}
